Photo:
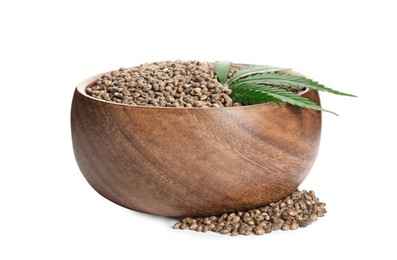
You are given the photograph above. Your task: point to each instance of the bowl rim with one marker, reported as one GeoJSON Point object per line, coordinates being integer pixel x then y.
{"type": "Point", "coordinates": [84, 84]}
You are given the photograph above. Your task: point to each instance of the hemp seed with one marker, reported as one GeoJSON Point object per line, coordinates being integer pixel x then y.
{"type": "Point", "coordinates": [286, 214]}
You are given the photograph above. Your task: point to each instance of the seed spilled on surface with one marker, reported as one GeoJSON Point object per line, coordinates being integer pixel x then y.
{"type": "Point", "coordinates": [300, 209]}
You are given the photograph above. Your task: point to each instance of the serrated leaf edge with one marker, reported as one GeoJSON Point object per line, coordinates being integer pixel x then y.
{"type": "Point", "coordinates": [253, 69]}
{"type": "Point", "coordinates": [282, 95]}
{"type": "Point", "coordinates": [285, 79]}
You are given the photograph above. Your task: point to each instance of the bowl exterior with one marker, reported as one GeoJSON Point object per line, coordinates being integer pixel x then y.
{"type": "Point", "coordinates": [194, 162]}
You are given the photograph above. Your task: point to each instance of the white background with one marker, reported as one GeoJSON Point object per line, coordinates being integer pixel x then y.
{"type": "Point", "coordinates": [48, 211]}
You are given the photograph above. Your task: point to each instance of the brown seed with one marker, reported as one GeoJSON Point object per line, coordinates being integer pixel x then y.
{"type": "Point", "coordinates": [213, 218]}
{"type": "Point", "coordinates": [107, 83]}
{"type": "Point", "coordinates": [217, 229]}
{"type": "Point", "coordinates": [236, 226]}
{"type": "Point", "coordinates": [177, 225]}
{"type": "Point", "coordinates": [236, 219]}
{"type": "Point", "coordinates": [248, 232]}
{"type": "Point", "coordinates": [198, 104]}
{"type": "Point", "coordinates": [205, 228]}
{"type": "Point", "coordinates": [234, 233]}
{"type": "Point", "coordinates": [285, 216]}
{"type": "Point", "coordinates": [193, 226]}
{"type": "Point", "coordinates": [221, 223]}
{"type": "Point", "coordinates": [294, 225]}
{"type": "Point", "coordinates": [241, 231]}
{"type": "Point", "coordinates": [313, 217]}
{"type": "Point", "coordinates": [203, 97]}
{"type": "Point", "coordinates": [224, 231]}
{"type": "Point", "coordinates": [259, 231]}
{"type": "Point", "coordinates": [192, 221]}
{"type": "Point", "coordinates": [285, 226]}
{"type": "Point", "coordinates": [115, 73]}
{"type": "Point", "coordinates": [184, 226]}
{"type": "Point", "coordinates": [250, 222]}
{"type": "Point", "coordinates": [206, 221]}
{"type": "Point", "coordinates": [197, 90]}
{"type": "Point", "coordinates": [303, 223]}
{"type": "Point", "coordinates": [230, 217]}
{"type": "Point", "coordinates": [276, 226]}
{"type": "Point", "coordinates": [211, 226]}
{"type": "Point", "coordinates": [199, 228]}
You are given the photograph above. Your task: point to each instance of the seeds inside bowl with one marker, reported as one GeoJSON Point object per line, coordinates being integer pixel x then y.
{"type": "Point", "coordinates": [300, 209]}
{"type": "Point", "coordinates": [169, 84]}
{"type": "Point", "coordinates": [165, 84]}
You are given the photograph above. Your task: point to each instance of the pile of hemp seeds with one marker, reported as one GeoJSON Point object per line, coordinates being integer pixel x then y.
{"type": "Point", "coordinates": [165, 84]}
{"type": "Point", "coordinates": [300, 209]}
{"type": "Point", "coordinates": [168, 84]}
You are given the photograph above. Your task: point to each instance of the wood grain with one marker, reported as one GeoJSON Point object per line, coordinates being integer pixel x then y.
{"type": "Point", "coordinates": [193, 161]}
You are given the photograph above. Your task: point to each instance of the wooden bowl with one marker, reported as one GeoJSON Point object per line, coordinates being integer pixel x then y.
{"type": "Point", "coordinates": [193, 161]}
